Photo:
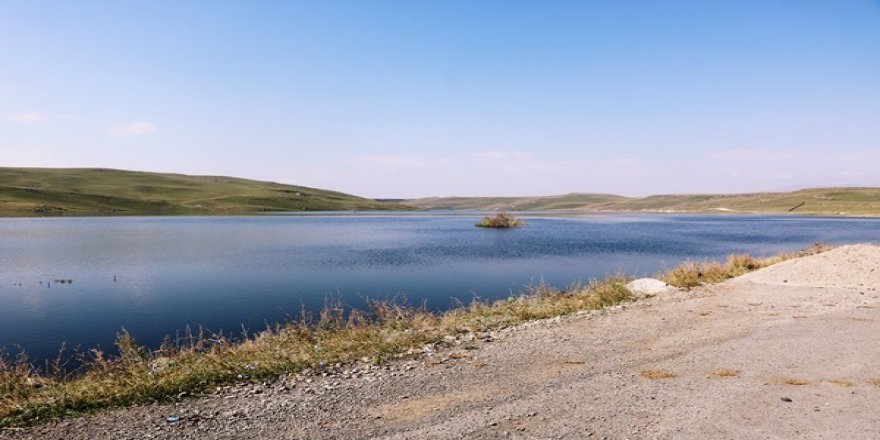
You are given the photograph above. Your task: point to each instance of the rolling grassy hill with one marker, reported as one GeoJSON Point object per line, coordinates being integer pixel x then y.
{"type": "Point", "coordinates": [820, 201]}
{"type": "Point", "coordinates": [95, 191]}
{"type": "Point", "coordinates": [568, 201]}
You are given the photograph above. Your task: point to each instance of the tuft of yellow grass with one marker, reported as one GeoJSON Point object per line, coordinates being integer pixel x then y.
{"type": "Point", "coordinates": [726, 373]}
{"type": "Point", "coordinates": [658, 374]}
{"type": "Point", "coordinates": [691, 274]}
{"type": "Point", "coordinates": [839, 383]}
{"type": "Point", "coordinates": [796, 382]}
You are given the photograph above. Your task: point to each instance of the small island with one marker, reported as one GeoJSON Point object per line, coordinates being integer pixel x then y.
{"type": "Point", "coordinates": [501, 220]}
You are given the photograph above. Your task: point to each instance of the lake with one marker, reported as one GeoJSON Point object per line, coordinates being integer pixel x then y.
{"type": "Point", "coordinates": [155, 275]}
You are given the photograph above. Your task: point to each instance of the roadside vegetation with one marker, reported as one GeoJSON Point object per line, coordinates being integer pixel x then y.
{"type": "Point", "coordinates": [500, 220]}
{"type": "Point", "coordinates": [198, 363]}
{"type": "Point", "coordinates": [692, 273]}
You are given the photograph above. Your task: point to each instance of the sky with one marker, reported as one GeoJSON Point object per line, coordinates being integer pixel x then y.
{"type": "Point", "coordinates": [403, 99]}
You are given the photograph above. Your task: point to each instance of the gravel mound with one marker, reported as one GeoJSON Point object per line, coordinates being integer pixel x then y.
{"type": "Point", "coordinates": [647, 286]}
{"type": "Point", "coordinates": [848, 267]}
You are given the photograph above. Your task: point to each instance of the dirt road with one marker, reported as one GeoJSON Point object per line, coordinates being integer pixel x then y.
{"type": "Point", "coordinates": [792, 351]}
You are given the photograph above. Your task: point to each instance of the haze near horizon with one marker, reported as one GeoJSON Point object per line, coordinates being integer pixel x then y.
{"type": "Point", "coordinates": [395, 99]}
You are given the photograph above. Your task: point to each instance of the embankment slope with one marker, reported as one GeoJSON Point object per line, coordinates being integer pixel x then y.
{"type": "Point", "coordinates": [786, 352]}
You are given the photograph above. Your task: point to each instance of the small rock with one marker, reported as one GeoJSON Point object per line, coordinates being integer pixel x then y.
{"type": "Point", "coordinates": [647, 286]}
{"type": "Point", "coordinates": [786, 399]}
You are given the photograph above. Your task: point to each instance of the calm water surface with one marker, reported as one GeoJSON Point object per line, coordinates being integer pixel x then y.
{"type": "Point", "coordinates": [154, 276]}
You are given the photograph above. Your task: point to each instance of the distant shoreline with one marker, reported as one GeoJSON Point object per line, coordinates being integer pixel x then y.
{"type": "Point", "coordinates": [838, 202]}
{"type": "Point", "coordinates": [475, 212]}
{"type": "Point", "coordinates": [99, 192]}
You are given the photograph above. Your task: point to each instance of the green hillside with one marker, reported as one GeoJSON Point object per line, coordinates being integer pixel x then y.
{"type": "Point", "coordinates": [94, 191]}
{"type": "Point", "coordinates": [568, 201]}
{"type": "Point", "coordinates": [819, 201]}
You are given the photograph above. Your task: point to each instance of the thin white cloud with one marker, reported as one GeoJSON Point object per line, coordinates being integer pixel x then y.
{"type": "Point", "coordinates": [502, 155]}
{"type": "Point", "coordinates": [5, 87]}
{"type": "Point", "coordinates": [751, 154]}
{"type": "Point", "coordinates": [138, 128]}
{"type": "Point", "coordinates": [25, 156]}
{"type": "Point", "coordinates": [30, 117]}
{"type": "Point", "coordinates": [393, 160]}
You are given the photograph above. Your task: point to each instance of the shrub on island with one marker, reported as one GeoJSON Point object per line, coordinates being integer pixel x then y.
{"type": "Point", "coordinates": [501, 220]}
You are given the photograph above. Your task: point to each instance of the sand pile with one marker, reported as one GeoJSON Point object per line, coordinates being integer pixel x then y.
{"type": "Point", "coordinates": [851, 267]}
{"type": "Point", "coordinates": [648, 286]}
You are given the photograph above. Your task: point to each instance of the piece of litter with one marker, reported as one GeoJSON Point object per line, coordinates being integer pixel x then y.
{"type": "Point", "coordinates": [173, 419]}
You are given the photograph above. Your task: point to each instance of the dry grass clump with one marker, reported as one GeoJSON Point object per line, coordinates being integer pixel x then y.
{"type": "Point", "coordinates": [795, 382]}
{"type": "Point", "coordinates": [726, 373]}
{"type": "Point", "coordinates": [540, 302]}
{"type": "Point", "coordinates": [501, 220]}
{"type": "Point", "coordinates": [201, 362]}
{"type": "Point", "coordinates": [692, 274]}
{"type": "Point", "coordinates": [658, 374]}
{"type": "Point", "coordinates": [813, 249]}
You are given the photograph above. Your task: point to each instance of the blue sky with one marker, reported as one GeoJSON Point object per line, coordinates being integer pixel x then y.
{"type": "Point", "coordinates": [422, 98]}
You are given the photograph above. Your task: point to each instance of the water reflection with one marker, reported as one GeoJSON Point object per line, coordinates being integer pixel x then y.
{"type": "Point", "coordinates": [224, 271]}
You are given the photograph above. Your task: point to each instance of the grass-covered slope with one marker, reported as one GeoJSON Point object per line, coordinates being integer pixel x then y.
{"type": "Point", "coordinates": [568, 201]}
{"type": "Point", "coordinates": [835, 201]}
{"type": "Point", "coordinates": [91, 191]}
{"type": "Point", "coordinates": [830, 201]}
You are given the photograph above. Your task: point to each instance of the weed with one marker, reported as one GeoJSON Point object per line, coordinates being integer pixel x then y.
{"type": "Point", "coordinates": [692, 274]}
{"type": "Point", "coordinates": [501, 220]}
{"type": "Point", "coordinates": [658, 374]}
